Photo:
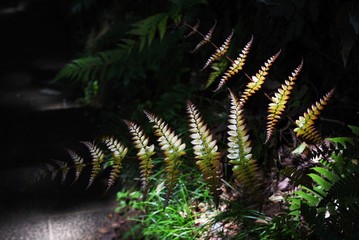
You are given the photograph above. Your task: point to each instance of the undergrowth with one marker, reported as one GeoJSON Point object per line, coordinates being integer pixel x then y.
{"type": "Point", "coordinates": [249, 198]}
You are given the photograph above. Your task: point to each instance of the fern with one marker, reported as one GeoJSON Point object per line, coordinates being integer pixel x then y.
{"type": "Point", "coordinates": [305, 124]}
{"type": "Point", "coordinates": [118, 152]}
{"type": "Point", "coordinates": [144, 154]}
{"type": "Point", "coordinates": [217, 70]}
{"type": "Point", "coordinates": [221, 51]}
{"type": "Point", "coordinates": [205, 149]}
{"type": "Point", "coordinates": [79, 164]}
{"type": "Point", "coordinates": [279, 101]}
{"type": "Point", "coordinates": [237, 65]}
{"type": "Point", "coordinates": [330, 204]}
{"type": "Point", "coordinates": [173, 150]}
{"type": "Point", "coordinates": [256, 81]}
{"type": "Point", "coordinates": [97, 158]}
{"type": "Point", "coordinates": [206, 38]}
{"type": "Point", "coordinates": [245, 168]}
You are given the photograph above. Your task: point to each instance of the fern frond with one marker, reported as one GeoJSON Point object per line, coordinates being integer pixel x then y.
{"type": "Point", "coordinates": [146, 29]}
{"type": "Point", "coordinates": [256, 82]}
{"type": "Point", "coordinates": [305, 124]}
{"type": "Point", "coordinates": [144, 154]}
{"type": "Point", "coordinates": [173, 150]}
{"type": "Point", "coordinates": [79, 164]}
{"type": "Point", "coordinates": [64, 171]}
{"type": "Point", "coordinates": [239, 145]}
{"type": "Point", "coordinates": [118, 152]}
{"type": "Point", "coordinates": [221, 51]}
{"type": "Point", "coordinates": [237, 65]}
{"type": "Point", "coordinates": [205, 149]}
{"type": "Point", "coordinates": [279, 101]}
{"type": "Point", "coordinates": [245, 168]}
{"type": "Point", "coordinates": [217, 70]}
{"type": "Point", "coordinates": [206, 39]}
{"type": "Point", "coordinates": [194, 29]}
{"type": "Point", "coordinates": [97, 159]}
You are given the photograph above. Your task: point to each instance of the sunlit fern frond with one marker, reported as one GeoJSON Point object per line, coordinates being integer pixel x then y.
{"type": "Point", "coordinates": [194, 29]}
{"type": "Point", "coordinates": [205, 149]}
{"type": "Point", "coordinates": [257, 80]}
{"type": "Point", "coordinates": [172, 148]}
{"type": "Point", "coordinates": [239, 144]}
{"type": "Point", "coordinates": [245, 168]}
{"type": "Point", "coordinates": [279, 101]}
{"type": "Point", "coordinates": [206, 39]}
{"type": "Point", "coordinates": [97, 158]}
{"type": "Point", "coordinates": [144, 154]}
{"type": "Point", "coordinates": [237, 65]}
{"type": "Point", "coordinates": [79, 164]}
{"type": "Point", "coordinates": [305, 124]}
{"type": "Point", "coordinates": [118, 152]}
{"type": "Point", "coordinates": [221, 51]}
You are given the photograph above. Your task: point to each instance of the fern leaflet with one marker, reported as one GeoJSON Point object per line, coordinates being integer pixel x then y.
{"type": "Point", "coordinates": [78, 163]}
{"type": "Point", "coordinates": [118, 152]}
{"type": "Point", "coordinates": [206, 39]}
{"type": "Point", "coordinates": [305, 124]}
{"type": "Point", "coordinates": [237, 65]}
{"type": "Point", "coordinates": [279, 101]}
{"type": "Point", "coordinates": [173, 149]}
{"type": "Point", "coordinates": [97, 159]}
{"type": "Point", "coordinates": [221, 51]}
{"type": "Point", "coordinates": [144, 154]}
{"type": "Point", "coordinates": [256, 81]}
{"type": "Point", "coordinates": [245, 168]}
{"type": "Point", "coordinates": [205, 148]}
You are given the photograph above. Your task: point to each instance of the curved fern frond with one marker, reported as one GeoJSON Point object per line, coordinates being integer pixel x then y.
{"type": "Point", "coordinates": [305, 124]}
{"type": "Point", "coordinates": [279, 101]}
{"type": "Point", "coordinates": [245, 168]}
{"type": "Point", "coordinates": [97, 158]}
{"type": "Point", "coordinates": [144, 154]}
{"type": "Point", "coordinates": [256, 82]}
{"type": "Point", "coordinates": [237, 65]}
{"type": "Point", "coordinates": [79, 164]}
{"type": "Point", "coordinates": [206, 39]}
{"type": "Point", "coordinates": [221, 51]}
{"type": "Point", "coordinates": [172, 148]}
{"type": "Point", "coordinates": [205, 148]}
{"type": "Point", "coordinates": [118, 152]}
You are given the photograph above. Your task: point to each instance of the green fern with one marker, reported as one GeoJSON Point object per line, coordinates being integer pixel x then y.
{"type": "Point", "coordinates": [173, 150]}
{"type": "Point", "coordinates": [331, 204]}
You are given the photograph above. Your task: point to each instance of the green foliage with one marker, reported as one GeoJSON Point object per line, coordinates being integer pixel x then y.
{"type": "Point", "coordinates": [178, 220]}
{"type": "Point", "coordinates": [331, 205]}
{"type": "Point", "coordinates": [127, 51]}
